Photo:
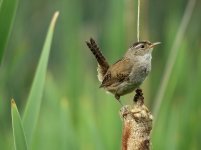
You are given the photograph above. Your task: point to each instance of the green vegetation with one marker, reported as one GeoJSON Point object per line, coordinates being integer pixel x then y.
{"type": "Point", "coordinates": [18, 131]}
{"type": "Point", "coordinates": [7, 13]}
{"type": "Point", "coordinates": [57, 95]}
{"type": "Point", "coordinates": [34, 101]}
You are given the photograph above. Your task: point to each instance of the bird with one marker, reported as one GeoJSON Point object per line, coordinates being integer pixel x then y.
{"type": "Point", "coordinates": [126, 74]}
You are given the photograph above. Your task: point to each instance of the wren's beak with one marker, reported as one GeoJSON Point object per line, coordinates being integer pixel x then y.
{"type": "Point", "coordinates": [154, 44]}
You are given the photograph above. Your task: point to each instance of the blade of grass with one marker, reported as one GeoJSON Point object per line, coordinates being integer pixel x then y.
{"type": "Point", "coordinates": [68, 138]}
{"type": "Point", "coordinates": [18, 131]}
{"type": "Point", "coordinates": [34, 100]}
{"type": "Point", "coordinates": [88, 132]}
{"type": "Point", "coordinates": [7, 14]}
{"type": "Point", "coordinates": [173, 56]}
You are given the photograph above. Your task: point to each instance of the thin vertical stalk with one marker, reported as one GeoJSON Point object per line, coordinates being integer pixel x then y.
{"type": "Point", "coordinates": [138, 22]}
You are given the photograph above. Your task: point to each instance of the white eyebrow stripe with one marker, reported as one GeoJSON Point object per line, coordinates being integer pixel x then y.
{"type": "Point", "coordinates": [139, 45]}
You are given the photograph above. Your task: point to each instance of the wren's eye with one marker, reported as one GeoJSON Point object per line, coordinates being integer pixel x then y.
{"type": "Point", "coordinates": [140, 46]}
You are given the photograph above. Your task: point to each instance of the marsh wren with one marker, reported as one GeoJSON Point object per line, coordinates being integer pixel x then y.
{"type": "Point", "coordinates": [128, 73]}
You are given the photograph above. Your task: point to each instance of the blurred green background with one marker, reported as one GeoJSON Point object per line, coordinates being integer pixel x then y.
{"type": "Point", "coordinates": [75, 113]}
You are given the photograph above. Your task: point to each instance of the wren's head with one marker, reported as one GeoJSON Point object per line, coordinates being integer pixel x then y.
{"type": "Point", "coordinates": [141, 49]}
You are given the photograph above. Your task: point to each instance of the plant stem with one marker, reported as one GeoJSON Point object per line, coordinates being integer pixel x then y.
{"type": "Point", "coordinates": [138, 22]}
{"type": "Point", "coordinates": [137, 125]}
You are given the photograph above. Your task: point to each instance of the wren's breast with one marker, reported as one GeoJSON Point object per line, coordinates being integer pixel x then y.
{"type": "Point", "coordinates": [139, 74]}
{"type": "Point", "coordinates": [140, 70]}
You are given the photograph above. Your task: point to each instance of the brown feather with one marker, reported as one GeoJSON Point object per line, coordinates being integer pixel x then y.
{"type": "Point", "coordinates": [103, 65]}
{"type": "Point", "coordinates": [117, 73]}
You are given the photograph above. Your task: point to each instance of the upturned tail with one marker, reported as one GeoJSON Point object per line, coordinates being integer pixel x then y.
{"type": "Point", "coordinates": [102, 63]}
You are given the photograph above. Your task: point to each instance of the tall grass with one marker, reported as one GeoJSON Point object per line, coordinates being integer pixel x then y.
{"type": "Point", "coordinates": [7, 14]}
{"type": "Point", "coordinates": [76, 114]}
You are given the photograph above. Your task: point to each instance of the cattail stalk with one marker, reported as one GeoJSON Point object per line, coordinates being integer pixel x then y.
{"type": "Point", "coordinates": [137, 125]}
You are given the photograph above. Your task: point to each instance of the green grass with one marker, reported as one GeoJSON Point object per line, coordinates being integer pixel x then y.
{"type": "Point", "coordinates": [20, 142]}
{"type": "Point", "coordinates": [64, 108]}
{"type": "Point", "coordinates": [7, 14]}
{"type": "Point", "coordinates": [32, 109]}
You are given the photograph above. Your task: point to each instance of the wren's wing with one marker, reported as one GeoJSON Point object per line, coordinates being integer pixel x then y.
{"type": "Point", "coordinates": [117, 73]}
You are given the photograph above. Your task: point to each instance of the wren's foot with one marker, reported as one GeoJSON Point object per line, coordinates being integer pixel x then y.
{"type": "Point", "coordinates": [139, 91]}
{"type": "Point", "coordinates": [138, 95]}
{"type": "Point", "coordinates": [118, 99]}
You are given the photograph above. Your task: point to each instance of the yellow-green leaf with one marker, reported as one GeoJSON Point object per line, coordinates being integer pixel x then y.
{"type": "Point", "coordinates": [18, 131]}
{"type": "Point", "coordinates": [34, 100]}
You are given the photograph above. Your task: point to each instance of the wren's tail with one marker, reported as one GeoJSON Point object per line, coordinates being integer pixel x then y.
{"type": "Point", "coordinates": [102, 63]}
